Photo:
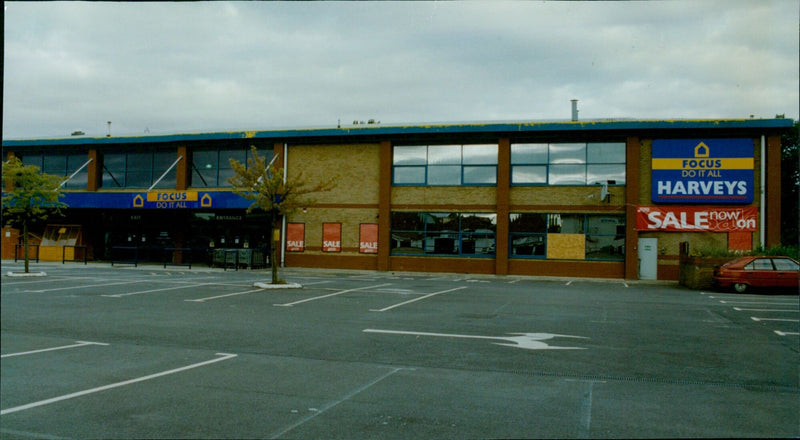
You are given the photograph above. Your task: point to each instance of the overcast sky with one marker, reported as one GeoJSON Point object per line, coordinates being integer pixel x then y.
{"type": "Point", "coordinates": [214, 66]}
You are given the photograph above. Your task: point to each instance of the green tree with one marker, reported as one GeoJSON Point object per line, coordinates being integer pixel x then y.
{"type": "Point", "coordinates": [29, 196]}
{"type": "Point", "coordinates": [263, 183]}
{"type": "Point", "coordinates": [790, 181]}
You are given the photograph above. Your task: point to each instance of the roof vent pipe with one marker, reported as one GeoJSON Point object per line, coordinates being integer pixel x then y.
{"type": "Point", "coordinates": [574, 110]}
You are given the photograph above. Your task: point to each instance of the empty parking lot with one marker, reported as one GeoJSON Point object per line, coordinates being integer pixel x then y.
{"type": "Point", "coordinates": [94, 351]}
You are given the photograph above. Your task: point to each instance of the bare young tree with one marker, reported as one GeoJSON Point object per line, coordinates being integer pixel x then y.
{"type": "Point", "coordinates": [264, 184]}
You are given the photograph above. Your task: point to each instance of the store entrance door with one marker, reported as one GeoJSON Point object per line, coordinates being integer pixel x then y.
{"type": "Point", "coordinates": [648, 258]}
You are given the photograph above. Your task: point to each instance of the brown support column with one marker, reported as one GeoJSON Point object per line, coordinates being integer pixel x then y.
{"type": "Point", "coordinates": [94, 170]}
{"type": "Point", "coordinates": [503, 191]}
{"type": "Point", "coordinates": [632, 158]}
{"type": "Point", "coordinates": [183, 169]}
{"type": "Point", "coordinates": [385, 206]}
{"type": "Point", "coordinates": [10, 155]}
{"type": "Point", "coordinates": [773, 211]}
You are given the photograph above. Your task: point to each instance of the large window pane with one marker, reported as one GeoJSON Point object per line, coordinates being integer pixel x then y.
{"type": "Point", "coordinates": [480, 175]}
{"type": "Point", "coordinates": [612, 152]}
{"type": "Point", "coordinates": [480, 154]}
{"type": "Point", "coordinates": [32, 159]}
{"type": "Point", "coordinates": [521, 174]}
{"type": "Point", "coordinates": [114, 170]}
{"type": "Point", "coordinates": [444, 155]}
{"type": "Point", "coordinates": [410, 155]}
{"type": "Point", "coordinates": [81, 178]}
{"type": "Point", "coordinates": [528, 154]}
{"type": "Point", "coordinates": [204, 168]}
{"type": "Point", "coordinates": [604, 173]}
{"type": "Point", "coordinates": [409, 175]}
{"type": "Point", "coordinates": [55, 164]}
{"type": "Point", "coordinates": [444, 175]}
{"type": "Point", "coordinates": [566, 223]}
{"type": "Point", "coordinates": [137, 179]}
{"type": "Point", "coordinates": [440, 221]}
{"type": "Point", "coordinates": [567, 153]}
{"type": "Point", "coordinates": [567, 175]}
{"type": "Point", "coordinates": [528, 222]}
{"type": "Point", "coordinates": [408, 243]}
{"type": "Point", "coordinates": [408, 221]}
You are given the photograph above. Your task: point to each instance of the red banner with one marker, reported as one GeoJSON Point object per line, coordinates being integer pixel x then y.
{"type": "Point", "coordinates": [295, 237]}
{"type": "Point", "coordinates": [331, 237]}
{"type": "Point", "coordinates": [700, 218]}
{"type": "Point", "coordinates": [368, 239]}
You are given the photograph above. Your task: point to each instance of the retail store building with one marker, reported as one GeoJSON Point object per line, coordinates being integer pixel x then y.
{"type": "Point", "coordinates": [604, 198]}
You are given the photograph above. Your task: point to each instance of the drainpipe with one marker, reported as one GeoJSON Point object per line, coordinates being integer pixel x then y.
{"type": "Point", "coordinates": [283, 218]}
{"type": "Point", "coordinates": [763, 192]}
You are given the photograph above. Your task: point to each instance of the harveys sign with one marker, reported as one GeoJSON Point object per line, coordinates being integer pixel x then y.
{"type": "Point", "coordinates": [683, 219]}
{"type": "Point", "coordinates": [702, 171]}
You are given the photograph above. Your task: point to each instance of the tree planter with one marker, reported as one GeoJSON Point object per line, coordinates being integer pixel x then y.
{"type": "Point", "coordinates": [698, 272]}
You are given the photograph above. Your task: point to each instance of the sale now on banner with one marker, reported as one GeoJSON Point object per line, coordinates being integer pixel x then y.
{"type": "Point", "coordinates": [659, 218]}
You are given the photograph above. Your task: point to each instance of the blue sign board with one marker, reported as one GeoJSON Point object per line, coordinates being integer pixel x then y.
{"type": "Point", "coordinates": [156, 200]}
{"type": "Point", "coordinates": [703, 171]}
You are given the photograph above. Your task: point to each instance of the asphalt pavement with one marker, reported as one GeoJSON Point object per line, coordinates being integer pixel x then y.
{"type": "Point", "coordinates": [94, 351]}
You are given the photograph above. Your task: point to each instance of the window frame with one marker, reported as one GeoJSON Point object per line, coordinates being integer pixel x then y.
{"type": "Point", "coordinates": [553, 162]}
{"type": "Point", "coordinates": [434, 235]}
{"type": "Point", "coordinates": [437, 163]}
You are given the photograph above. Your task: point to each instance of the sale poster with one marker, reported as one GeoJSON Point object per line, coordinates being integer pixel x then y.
{"type": "Point", "coordinates": [368, 238]}
{"type": "Point", "coordinates": [331, 237]}
{"type": "Point", "coordinates": [295, 237]}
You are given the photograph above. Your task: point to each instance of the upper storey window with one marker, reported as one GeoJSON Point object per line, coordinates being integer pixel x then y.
{"type": "Point", "coordinates": [62, 164]}
{"type": "Point", "coordinates": [138, 169]}
{"type": "Point", "coordinates": [445, 165]}
{"type": "Point", "coordinates": [568, 163]}
{"type": "Point", "coordinates": [211, 166]}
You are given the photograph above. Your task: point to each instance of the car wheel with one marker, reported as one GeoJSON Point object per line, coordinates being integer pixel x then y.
{"type": "Point", "coordinates": [740, 287]}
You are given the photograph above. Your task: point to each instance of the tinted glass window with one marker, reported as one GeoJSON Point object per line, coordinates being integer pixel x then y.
{"type": "Point", "coordinates": [567, 153]}
{"type": "Point", "coordinates": [785, 264]}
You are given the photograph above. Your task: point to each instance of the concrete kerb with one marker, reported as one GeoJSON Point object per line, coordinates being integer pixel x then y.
{"type": "Point", "coordinates": [26, 274]}
{"type": "Point", "coordinates": [303, 271]}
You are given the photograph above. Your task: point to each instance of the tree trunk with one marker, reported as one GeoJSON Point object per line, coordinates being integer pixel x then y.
{"type": "Point", "coordinates": [273, 254]}
{"type": "Point", "coordinates": [25, 244]}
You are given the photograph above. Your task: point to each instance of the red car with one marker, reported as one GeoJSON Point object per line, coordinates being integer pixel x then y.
{"type": "Point", "coordinates": [747, 272]}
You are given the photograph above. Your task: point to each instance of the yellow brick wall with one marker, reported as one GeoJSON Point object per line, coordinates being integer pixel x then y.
{"type": "Point", "coordinates": [356, 165]}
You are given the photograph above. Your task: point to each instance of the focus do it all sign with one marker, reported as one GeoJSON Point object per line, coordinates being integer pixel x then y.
{"type": "Point", "coordinates": [702, 171]}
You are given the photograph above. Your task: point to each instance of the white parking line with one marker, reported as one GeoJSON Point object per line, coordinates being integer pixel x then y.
{"type": "Point", "coordinates": [773, 319]}
{"type": "Point", "coordinates": [63, 347]}
{"type": "Point", "coordinates": [120, 295]}
{"type": "Point", "coordinates": [417, 299]}
{"type": "Point", "coordinates": [349, 396]}
{"type": "Point", "coordinates": [780, 333]}
{"type": "Point", "coordinates": [740, 309]}
{"type": "Point", "coordinates": [224, 296]}
{"type": "Point", "coordinates": [225, 356]}
{"type": "Point", "coordinates": [330, 295]}
{"type": "Point", "coordinates": [782, 303]}
{"type": "Point", "coordinates": [83, 287]}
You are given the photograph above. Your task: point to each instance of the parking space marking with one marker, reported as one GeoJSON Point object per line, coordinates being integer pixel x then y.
{"type": "Point", "coordinates": [761, 302]}
{"type": "Point", "coordinates": [527, 341]}
{"type": "Point", "coordinates": [120, 295]}
{"type": "Point", "coordinates": [774, 319]}
{"type": "Point", "coordinates": [741, 309]}
{"type": "Point", "coordinates": [223, 296]}
{"type": "Point", "coordinates": [349, 396]}
{"type": "Point", "coordinates": [86, 286]}
{"type": "Point", "coordinates": [63, 347]}
{"type": "Point", "coordinates": [416, 299]}
{"type": "Point", "coordinates": [330, 295]}
{"type": "Point", "coordinates": [225, 356]}
{"type": "Point", "coordinates": [780, 333]}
